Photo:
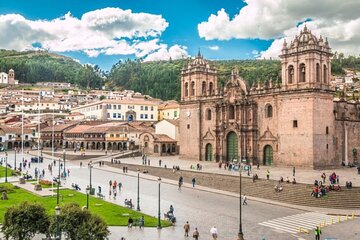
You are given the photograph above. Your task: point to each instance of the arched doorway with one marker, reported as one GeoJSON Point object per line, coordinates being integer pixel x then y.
{"type": "Point", "coordinates": [268, 155]}
{"type": "Point", "coordinates": [231, 147]}
{"type": "Point", "coordinates": [208, 152]}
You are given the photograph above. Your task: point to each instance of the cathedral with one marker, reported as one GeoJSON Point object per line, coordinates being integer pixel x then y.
{"type": "Point", "coordinates": [295, 123]}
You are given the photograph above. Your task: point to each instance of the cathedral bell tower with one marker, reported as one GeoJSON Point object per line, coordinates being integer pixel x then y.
{"type": "Point", "coordinates": [198, 80]}
{"type": "Point", "coordinates": [305, 62]}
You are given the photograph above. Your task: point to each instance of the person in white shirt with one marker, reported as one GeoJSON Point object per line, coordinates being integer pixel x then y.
{"type": "Point", "coordinates": [214, 232]}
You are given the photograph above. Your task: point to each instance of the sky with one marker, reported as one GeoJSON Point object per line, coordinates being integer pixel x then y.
{"type": "Point", "coordinates": [104, 32]}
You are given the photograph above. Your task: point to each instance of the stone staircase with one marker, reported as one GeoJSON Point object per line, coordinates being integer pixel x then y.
{"type": "Point", "coordinates": [300, 194]}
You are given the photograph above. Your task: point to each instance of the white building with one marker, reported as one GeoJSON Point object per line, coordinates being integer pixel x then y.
{"type": "Point", "coordinates": [122, 110]}
{"type": "Point", "coordinates": [8, 78]}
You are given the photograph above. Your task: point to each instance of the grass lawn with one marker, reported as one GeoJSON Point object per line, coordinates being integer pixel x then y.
{"type": "Point", "coordinates": [2, 171]}
{"type": "Point", "coordinates": [113, 215]}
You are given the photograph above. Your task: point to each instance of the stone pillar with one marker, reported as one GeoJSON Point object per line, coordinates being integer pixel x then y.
{"type": "Point", "coordinates": [346, 145]}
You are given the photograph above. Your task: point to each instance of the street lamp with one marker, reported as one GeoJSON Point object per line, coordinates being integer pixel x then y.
{"type": "Point", "coordinates": [138, 190]}
{"type": "Point", "coordinates": [57, 213]}
{"type": "Point", "coordinates": [159, 213]}
{"type": "Point", "coordinates": [64, 157]}
{"type": "Point", "coordinates": [58, 185]}
{"type": "Point", "coordinates": [15, 160]}
{"type": "Point", "coordinates": [87, 197]}
{"type": "Point", "coordinates": [6, 167]}
{"type": "Point", "coordinates": [240, 234]}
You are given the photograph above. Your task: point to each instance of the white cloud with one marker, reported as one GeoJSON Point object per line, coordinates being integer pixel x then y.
{"type": "Point", "coordinates": [214, 48]}
{"type": "Point", "coordinates": [109, 31]}
{"type": "Point", "coordinates": [270, 19]}
{"type": "Point", "coordinates": [165, 53]}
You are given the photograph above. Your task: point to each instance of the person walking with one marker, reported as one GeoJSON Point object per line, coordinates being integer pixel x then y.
{"type": "Point", "coordinates": [244, 200]}
{"type": "Point", "coordinates": [141, 222]}
{"type": "Point", "coordinates": [186, 229]}
{"type": "Point", "coordinates": [293, 171]}
{"type": "Point", "coordinates": [317, 233]}
{"type": "Point", "coordinates": [130, 222]}
{"type": "Point", "coordinates": [267, 174]}
{"type": "Point", "coordinates": [181, 179]}
{"type": "Point", "coordinates": [120, 186]}
{"type": "Point", "coordinates": [160, 163]}
{"type": "Point", "coordinates": [196, 234]}
{"type": "Point", "coordinates": [193, 182]}
{"type": "Point", "coordinates": [214, 232]}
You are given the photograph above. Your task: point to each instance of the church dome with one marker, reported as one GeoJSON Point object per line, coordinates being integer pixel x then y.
{"type": "Point", "coordinates": [306, 37]}
{"type": "Point", "coordinates": [199, 60]}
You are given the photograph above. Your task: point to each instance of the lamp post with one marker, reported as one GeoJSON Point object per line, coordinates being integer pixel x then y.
{"type": "Point", "coordinates": [240, 234]}
{"type": "Point", "coordinates": [58, 185]}
{"type": "Point", "coordinates": [15, 159]}
{"type": "Point", "coordinates": [57, 213]}
{"type": "Point", "coordinates": [159, 212]}
{"type": "Point", "coordinates": [138, 190]}
{"type": "Point", "coordinates": [87, 197]}
{"type": "Point", "coordinates": [64, 157]}
{"type": "Point", "coordinates": [6, 155]}
{"type": "Point", "coordinates": [90, 187]}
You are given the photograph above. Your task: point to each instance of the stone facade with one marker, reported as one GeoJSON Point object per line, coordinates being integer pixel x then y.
{"type": "Point", "coordinates": [295, 123]}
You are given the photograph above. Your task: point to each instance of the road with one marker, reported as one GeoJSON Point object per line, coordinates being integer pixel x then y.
{"type": "Point", "coordinates": [202, 209]}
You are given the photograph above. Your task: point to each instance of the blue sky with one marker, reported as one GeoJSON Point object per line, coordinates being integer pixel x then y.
{"type": "Point", "coordinates": [101, 31]}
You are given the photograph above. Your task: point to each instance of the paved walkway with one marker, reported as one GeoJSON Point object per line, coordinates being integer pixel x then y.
{"type": "Point", "coordinates": [45, 192]}
{"type": "Point", "coordinates": [302, 175]}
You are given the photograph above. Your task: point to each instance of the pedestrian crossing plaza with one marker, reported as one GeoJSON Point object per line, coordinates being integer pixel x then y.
{"type": "Point", "coordinates": [304, 222]}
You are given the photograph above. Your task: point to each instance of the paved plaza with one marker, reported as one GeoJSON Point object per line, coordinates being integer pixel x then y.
{"type": "Point", "coordinates": [201, 207]}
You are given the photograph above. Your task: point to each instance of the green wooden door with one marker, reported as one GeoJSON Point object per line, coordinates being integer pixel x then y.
{"type": "Point", "coordinates": [231, 147]}
{"type": "Point", "coordinates": [268, 155]}
{"type": "Point", "coordinates": [208, 152]}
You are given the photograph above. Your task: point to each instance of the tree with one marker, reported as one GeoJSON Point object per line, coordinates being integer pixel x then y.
{"type": "Point", "coordinates": [80, 224]}
{"type": "Point", "coordinates": [23, 221]}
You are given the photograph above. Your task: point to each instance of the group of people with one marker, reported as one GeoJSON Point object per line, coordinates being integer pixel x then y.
{"type": "Point", "coordinates": [140, 223]}
{"type": "Point", "coordinates": [196, 167]}
{"type": "Point", "coordinates": [114, 185]}
{"type": "Point", "coordinates": [195, 234]}
{"type": "Point", "coordinates": [287, 180]}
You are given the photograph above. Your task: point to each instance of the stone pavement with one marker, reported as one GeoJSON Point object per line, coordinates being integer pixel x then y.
{"type": "Point", "coordinates": [45, 192]}
{"type": "Point", "coordinates": [302, 175]}
{"type": "Point", "coordinates": [233, 194]}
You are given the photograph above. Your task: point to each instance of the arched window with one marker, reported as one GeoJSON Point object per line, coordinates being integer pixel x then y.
{"type": "Point", "coordinates": [302, 72]}
{"type": "Point", "coordinates": [192, 86]}
{"type": "Point", "coordinates": [208, 114]}
{"type": "Point", "coordinates": [186, 89]}
{"type": "Point", "coordinates": [317, 72]}
{"type": "Point", "coordinates": [203, 88]}
{"type": "Point", "coordinates": [268, 111]}
{"type": "Point", "coordinates": [211, 88]}
{"type": "Point", "coordinates": [327, 130]}
{"type": "Point", "coordinates": [290, 74]}
{"type": "Point", "coordinates": [231, 112]}
{"type": "Point", "coordinates": [325, 74]}
{"type": "Point", "coordinates": [156, 148]}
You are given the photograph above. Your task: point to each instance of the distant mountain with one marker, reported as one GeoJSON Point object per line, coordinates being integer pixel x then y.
{"type": "Point", "coordinates": [42, 66]}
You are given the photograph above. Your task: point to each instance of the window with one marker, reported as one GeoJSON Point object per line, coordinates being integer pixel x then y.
{"type": "Point", "coordinates": [141, 116]}
{"type": "Point", "coordinates": [231, 112]}
{"type": "Point", "coordinates": [295, 123]}
{"type": "Point", "coordinates": [152, 116]}
{"type": "Point", "coordinates": [290, 74]}
{"type": "Point", "coordinates": [109, 106]}
{"type": "Point", "coordinates": [302, 73]}
{"type": "Point", "coordinates": [317, 72]}
{"type": "Point", "coordinates": [211, 88]}
{"type": "Point", "coordinates": [192, 88]}
{"type": "Point", "coordinates": [108, 115]}
{"type": "Point", "coordinates": [327, 130]}
{"type": "Point", "coordinates": [119, 115]}
{"type": "Point", "coordinates": [186, 89]}
{"type": "Point", "coordinates": [203, 88]}
{"type": "Point", "coordinates": [188, 126]}
{"type": "Point", "coordinates": [146, 116]}
{"type": "Point", "coordinates": [325, 74]}
{"type": "Point", "coordinates": [114, 115]}
{"type": "Point", "coordinates": [268, 111]}
{"type": "Point", "coordinates": [327, 146]}
{"type": "Point", "coordinates": [100, 106]}
{"type": "Point", "coordinates": [208, 114]}
{"type": "Point", "coordinates": [152, 108]}
{"type": "Point", "coordinates": [141, 108]}
{"type": "Point", "coordinates": [146, 108]}
{"type": "Point", "coordinates": [114, 106]}
{"type": "Point", "coordinates": [175, 114]}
